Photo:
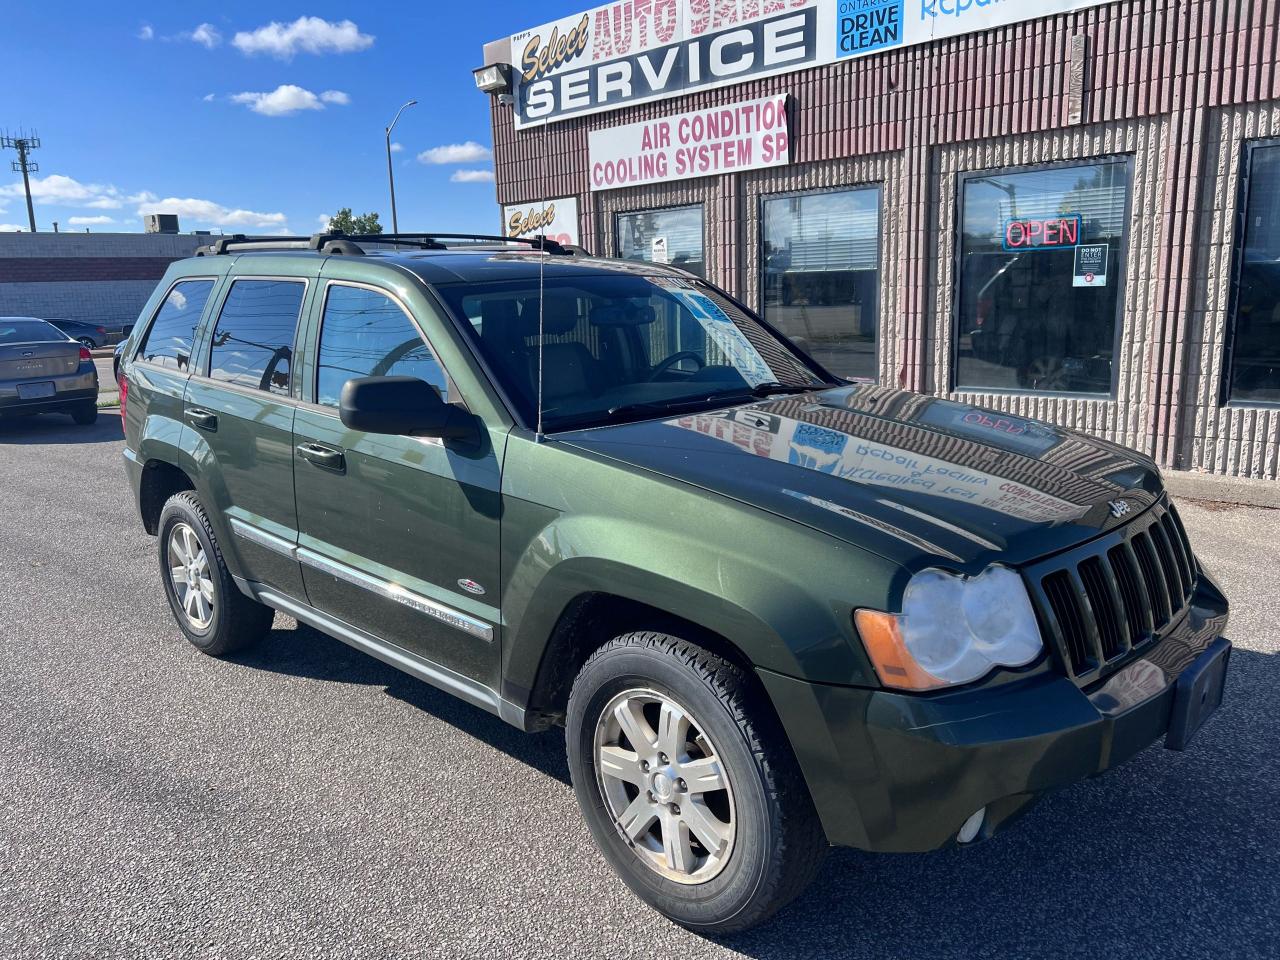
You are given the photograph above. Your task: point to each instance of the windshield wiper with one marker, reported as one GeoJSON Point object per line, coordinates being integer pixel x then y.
{"type": "Point", "coordinates": [672, 405]}
{"type": "Point", "coordinates": [773, 386]}
{"type": "Point", "coordinates": [751, 393]}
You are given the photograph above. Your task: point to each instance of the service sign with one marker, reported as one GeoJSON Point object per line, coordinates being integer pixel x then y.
{"type": "Point", "coordinates": [635, 51]}
{"type": "Point", "coordinates": [556, 219]}
{"type": "Point", "coordinates": [739, 136]}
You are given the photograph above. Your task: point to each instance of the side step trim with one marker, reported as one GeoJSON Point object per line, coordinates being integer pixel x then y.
{"type": "Point", "coordinates": [462, 687]}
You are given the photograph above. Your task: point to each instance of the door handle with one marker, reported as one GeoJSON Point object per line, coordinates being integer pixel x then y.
{"type": "Point", "coordinates": [204, 419]}
{"type": "Point", "coordinates": [322, 456]}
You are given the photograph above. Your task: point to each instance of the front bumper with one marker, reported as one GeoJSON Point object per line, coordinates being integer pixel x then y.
{"type": "Point", "coordinates": [893, 772]}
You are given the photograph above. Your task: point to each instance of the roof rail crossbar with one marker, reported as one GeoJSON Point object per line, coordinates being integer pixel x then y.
{"type": "Point", "coordinates": [434, 240]}
{"type": "Point", "coordinates": [538, 242]}
{"type": "Point", "coordinates": [238, 240]}
{"type": "Point", "coordinates": [349, 244]}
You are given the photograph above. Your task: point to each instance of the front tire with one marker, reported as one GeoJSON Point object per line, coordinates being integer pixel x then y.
{"type": "Point", "coordinates": [210, 609]}
{"type": "Point", "coordinates": [688, 785]}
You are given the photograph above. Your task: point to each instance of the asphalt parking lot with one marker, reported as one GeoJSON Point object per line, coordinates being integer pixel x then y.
{"type": "Point", "coordinates": [308, 801]}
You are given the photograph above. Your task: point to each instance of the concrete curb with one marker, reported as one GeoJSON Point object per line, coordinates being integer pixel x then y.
{"type": "Point", "coordinates": [1183, 484]}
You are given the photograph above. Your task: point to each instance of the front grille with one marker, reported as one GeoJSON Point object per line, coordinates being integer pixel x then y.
{"type": "Point", "coordinates": [1117, 593]}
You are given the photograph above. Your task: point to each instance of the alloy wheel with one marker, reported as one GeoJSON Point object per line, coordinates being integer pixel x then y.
{"type": "Point", "coordinates": [190, 575]}
{"type": "Point", "coordinates": [664, 786]}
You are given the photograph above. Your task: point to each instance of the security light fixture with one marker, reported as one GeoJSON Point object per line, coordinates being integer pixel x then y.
{"type": "Point", "coordinates": [494, 79]}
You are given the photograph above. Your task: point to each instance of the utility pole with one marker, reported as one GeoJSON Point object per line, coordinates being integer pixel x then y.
{"type": "Point", "coordinates": [24, 144]}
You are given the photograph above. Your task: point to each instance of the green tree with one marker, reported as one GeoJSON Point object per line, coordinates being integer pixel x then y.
{"type": "Point", "coordinates": [345, 222]}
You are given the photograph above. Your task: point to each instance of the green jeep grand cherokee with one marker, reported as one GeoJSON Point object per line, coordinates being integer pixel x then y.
{"type": "Point", "coordinates": [773, 610]}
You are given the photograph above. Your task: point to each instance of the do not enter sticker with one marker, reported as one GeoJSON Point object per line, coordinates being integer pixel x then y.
{"type": "Point", "coordinates": [1091, 265]}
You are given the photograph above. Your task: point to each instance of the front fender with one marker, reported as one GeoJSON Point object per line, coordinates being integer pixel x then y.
{"type": "Point", "coordinates": [779, 592]}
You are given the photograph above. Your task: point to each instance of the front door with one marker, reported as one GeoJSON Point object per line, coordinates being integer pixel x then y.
{"type": "Point", "coordinates": [398, 536]}
{"type": "Point", "coordinates": [240, 407]}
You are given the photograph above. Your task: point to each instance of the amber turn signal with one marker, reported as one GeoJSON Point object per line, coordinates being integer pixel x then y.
{"type": "Point", "coordinates": [889, 655]}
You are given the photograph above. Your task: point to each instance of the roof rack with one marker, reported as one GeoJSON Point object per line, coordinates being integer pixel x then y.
{"type": "Point", "coordinates": [349, 244]}
{"type": "Point", "coordinates": [239, 240]}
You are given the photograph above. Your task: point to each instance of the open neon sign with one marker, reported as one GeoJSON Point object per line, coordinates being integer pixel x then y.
{"type": "Point", "coordinates": [1048, 233]}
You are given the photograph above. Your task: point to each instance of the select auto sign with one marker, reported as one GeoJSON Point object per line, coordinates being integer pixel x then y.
{"type": "Point", "coordinates": [637, 51]}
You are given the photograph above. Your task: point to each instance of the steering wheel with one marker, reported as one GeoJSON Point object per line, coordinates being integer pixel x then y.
{"type": "Point", "coordinates": [665, 365]}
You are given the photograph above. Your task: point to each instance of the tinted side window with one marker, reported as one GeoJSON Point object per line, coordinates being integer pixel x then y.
{"type": "Point", "coordinates": [365, 334]}
{"type": "Point", "coordinates": [253, 342]}
{"type": "Point", "coordinates": [1254, 371]}
{"type": "Point", "coordinates": [168, 342]}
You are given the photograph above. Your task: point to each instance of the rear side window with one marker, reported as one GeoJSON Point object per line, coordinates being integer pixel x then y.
{"type": "Point", "coordinates": [253, 341]}
{"type": "Point", "coordinates": [169, 340]}
{"type": "Point", "coordinates": [365, 334]}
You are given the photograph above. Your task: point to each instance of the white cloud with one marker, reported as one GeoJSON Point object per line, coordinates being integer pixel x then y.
{"type": "Point", "coordinates": [324, 219]}
{"type": "Point", "coordinates": [335, 96]}
{"type": "Point", "coordinates": [145, 32]}
{"type": "Point", "coordinates": [209, 97]}
{"type": "Point", "coordinates": [471, 176]}
{"type": "Point", "coordinates": [284, 100]}
{"type": "Point", "coordinates": [58, 189]}
{"type": "Point", "coordinates": [11, 228]}
{"type": "Point", "coordinates": [207, 211]}
{"type": "Point", "coordinates": [397, 147]}
{"type": "Point", "coordinates": [306, 34]}
{"type": "Point", "coordinates": [206, 35]}
{"type": "Point", "coordinates": [468, 152]}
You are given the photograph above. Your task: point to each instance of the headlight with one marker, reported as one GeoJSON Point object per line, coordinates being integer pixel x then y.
{"type": "Point", "coordinates": [952, 629]}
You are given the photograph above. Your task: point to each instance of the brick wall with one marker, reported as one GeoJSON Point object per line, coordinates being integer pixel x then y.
{"type": "Point", "coordinates": [97, 277]}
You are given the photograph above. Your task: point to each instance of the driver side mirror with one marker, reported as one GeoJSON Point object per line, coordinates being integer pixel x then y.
{"type": "Point", "coordinates": [402, 406]}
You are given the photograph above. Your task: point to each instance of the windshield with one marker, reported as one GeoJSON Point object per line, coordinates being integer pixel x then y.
{"type": "Point", "coordinates": [619, 347]}
{"type": "Point", "coordinates": [28, 331]}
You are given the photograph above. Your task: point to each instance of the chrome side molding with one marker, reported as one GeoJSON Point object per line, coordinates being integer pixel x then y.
{"type": "Point", "coordinates": [385, 588]}
{"type": "Point", "coordinates": [393, 591]}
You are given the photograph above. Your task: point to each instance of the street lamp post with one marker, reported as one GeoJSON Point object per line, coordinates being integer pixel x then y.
{"type": "Point", "coordinates": [391, 177]}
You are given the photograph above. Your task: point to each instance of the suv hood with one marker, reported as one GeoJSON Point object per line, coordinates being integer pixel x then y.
{"type": "Point", "coordinates": [915, 478]}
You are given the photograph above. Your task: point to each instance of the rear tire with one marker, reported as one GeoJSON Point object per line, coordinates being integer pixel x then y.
{"type": "Point", "coordinates": [87, 343]}
{"type": "Point", "coordinates": [210, 609]}
{"type": "Point", "coordinates": [731, 763]}
{"type": "Point", "coordinates": [86, 415]}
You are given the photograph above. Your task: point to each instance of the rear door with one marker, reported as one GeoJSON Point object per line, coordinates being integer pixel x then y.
{"type": "Point", "coordinates": [160, 367]}
{"type": "Point", "coordinates": [240, 405]}
{"type": "Point", "coordinates": [398, 536]}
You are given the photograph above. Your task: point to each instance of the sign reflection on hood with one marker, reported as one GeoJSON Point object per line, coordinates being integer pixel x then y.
{"type": "Point", "coordinates": [873, 463]}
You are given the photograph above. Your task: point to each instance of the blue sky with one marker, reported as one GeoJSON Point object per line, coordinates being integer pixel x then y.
{"type": "Point", "coordinates": [251, 127]}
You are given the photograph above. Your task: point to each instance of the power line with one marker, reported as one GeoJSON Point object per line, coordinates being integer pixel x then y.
{"type": "Point", "coordinates": [24, 143]}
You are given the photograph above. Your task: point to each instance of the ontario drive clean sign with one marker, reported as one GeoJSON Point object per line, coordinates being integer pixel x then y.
{"type": "Point", "coordinates": [740, 136]}
{"type": "Point", "coordinates": [635, 51]}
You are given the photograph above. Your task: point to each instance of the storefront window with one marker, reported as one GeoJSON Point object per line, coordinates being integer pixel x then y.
{"type": "Point", "coordinates": [821, 260]}
{"type": "Point", "coordinates": [664, 236]}
{"type": "Point", "coordinates": [1041, 264]}
{"type": "Point", "coordinates": [1255, 350]}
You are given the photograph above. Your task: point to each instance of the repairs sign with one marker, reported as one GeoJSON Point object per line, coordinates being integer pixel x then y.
{"type": "Point", "coordinates": [740, 136]}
